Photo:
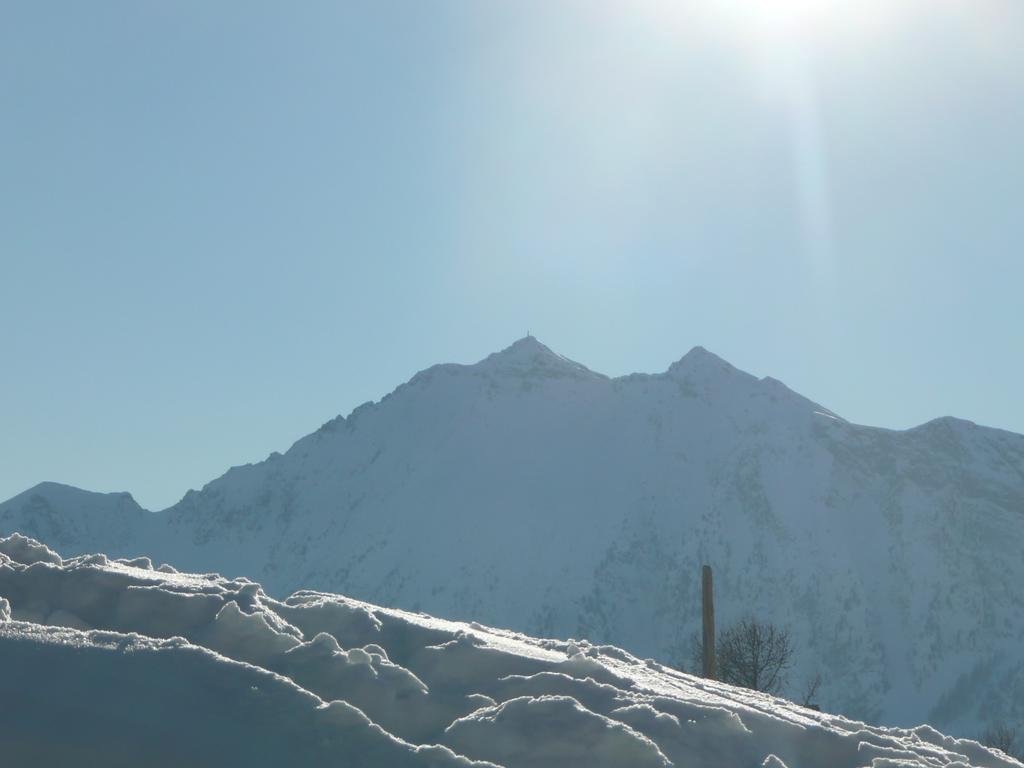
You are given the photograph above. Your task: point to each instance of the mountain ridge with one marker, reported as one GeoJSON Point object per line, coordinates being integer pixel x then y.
{"type": "Point", "coordinates": [527, 490]}
{"type": "Point", "coordinates": [698, 350]}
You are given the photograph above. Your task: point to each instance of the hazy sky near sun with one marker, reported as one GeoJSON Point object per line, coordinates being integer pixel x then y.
{"type": "Point", "coordinates": [222, 223]}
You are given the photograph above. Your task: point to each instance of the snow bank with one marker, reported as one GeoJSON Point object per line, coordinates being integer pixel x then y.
{"type": "Point", "coordinates": [550, 732]}
{"type": "Point", "coordinates": [113, 663]}
{"type": "Point", "coordinates": [25, 550]}
{"type": "Point", "coordinates": [102, 698]}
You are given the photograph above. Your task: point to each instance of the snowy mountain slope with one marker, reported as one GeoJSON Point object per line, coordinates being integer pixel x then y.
{"type": "Point", "coordinates": [530, 492]}
{"type": "Point", "coordinates": [83, 521]}
{"type": "Point", "coordinates": [114, 663]}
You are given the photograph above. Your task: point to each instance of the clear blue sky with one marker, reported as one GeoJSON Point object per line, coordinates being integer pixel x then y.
{"type": "Point", "coordinates": [222, 223]}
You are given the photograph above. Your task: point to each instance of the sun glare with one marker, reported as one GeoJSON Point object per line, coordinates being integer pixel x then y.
{"type": "Point", "coordinates": [782, 21]}
{"type": "Point", "coordinates": [771, 23]}
{"type": "Point", "coordinates": [789, 13]}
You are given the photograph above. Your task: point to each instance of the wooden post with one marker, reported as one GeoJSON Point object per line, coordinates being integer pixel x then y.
{"type": "Point", "coordinates": [708, 610]}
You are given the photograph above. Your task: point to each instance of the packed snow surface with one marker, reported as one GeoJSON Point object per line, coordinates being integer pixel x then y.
{"type": "Point", "coordinates": [529, 492]}
{"type": "Point", "coordinates": [114, 663]}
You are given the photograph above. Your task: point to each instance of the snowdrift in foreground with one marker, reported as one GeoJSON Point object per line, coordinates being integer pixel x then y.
{"type": "Point", "coordinates": [115, 663]}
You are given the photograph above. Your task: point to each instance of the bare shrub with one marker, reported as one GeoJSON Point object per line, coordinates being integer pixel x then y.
{"type": "Point", "coordinates": [752, 654]}
{"type": "Point", "coordinates": [755, 654]}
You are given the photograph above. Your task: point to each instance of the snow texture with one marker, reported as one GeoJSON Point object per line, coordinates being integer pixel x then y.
{"type": "Point", "coordinates": [114, 663]}
{"type": "Point", "coordinates": [530, 492]}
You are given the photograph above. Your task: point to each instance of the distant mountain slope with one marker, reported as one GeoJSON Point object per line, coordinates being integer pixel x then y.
{"type": "Point", "coordinates": [115, 663]}
{"type": "Point", "coordinates": [531, 492]}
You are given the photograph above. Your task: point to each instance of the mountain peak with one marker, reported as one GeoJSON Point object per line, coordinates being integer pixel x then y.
{"type": "Point", "coordinates": [529, 356]}
{"type": "Point", "coordinates": [527, 345]}
{"type": "Point", "coordinates": [700, 359]}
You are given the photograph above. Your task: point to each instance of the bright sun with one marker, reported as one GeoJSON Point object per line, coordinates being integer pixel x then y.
{"type": "Point", "coordinates": [785, 18]}
{"type": "Point", "coordinates": [794, 11]}
{"type": "Point", "coordinates": [775, 22]}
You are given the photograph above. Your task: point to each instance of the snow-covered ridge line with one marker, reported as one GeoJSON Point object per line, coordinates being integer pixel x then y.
{"type": "Point", "coordinates": [528, 492]}
{"type": "Point", "coordinates": [117, 663]}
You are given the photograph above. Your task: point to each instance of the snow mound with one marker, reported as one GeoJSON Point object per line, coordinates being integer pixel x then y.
{"type": "Point", "coordinates": [27, 551]}
{"type": "Point", "coordinates": [114, 663]}
{"type": "Point", "coordinates": [550, 732]}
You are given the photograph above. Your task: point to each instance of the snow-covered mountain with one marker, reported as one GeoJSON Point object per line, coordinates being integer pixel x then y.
{"type": "Point", "coordinates": [530, 492]}
{"type": "Point", "coordinates": [115, 663]}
